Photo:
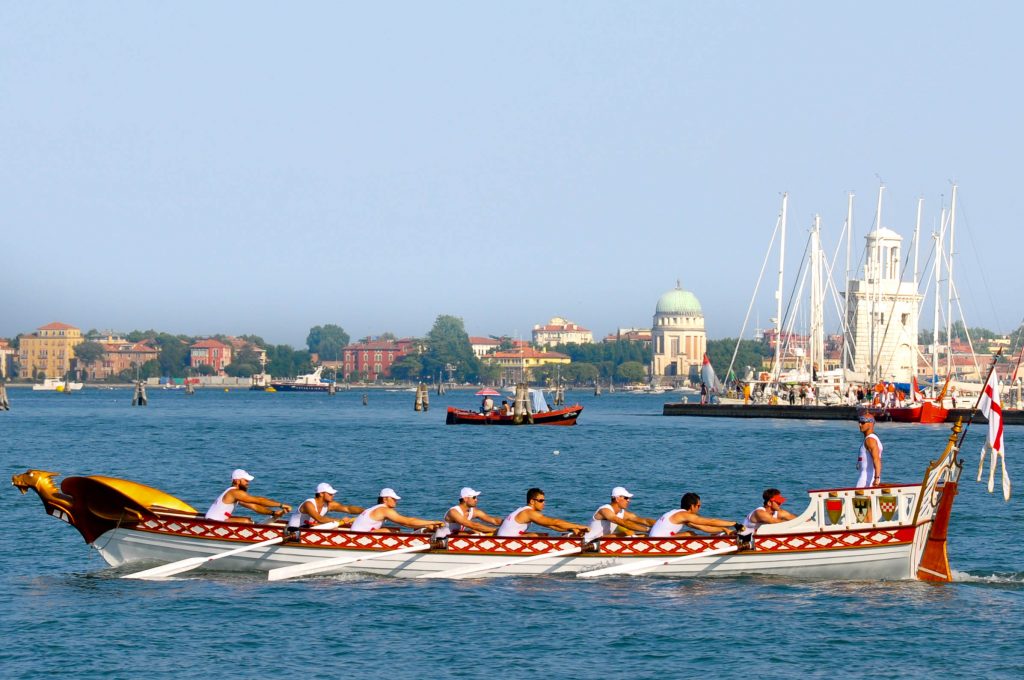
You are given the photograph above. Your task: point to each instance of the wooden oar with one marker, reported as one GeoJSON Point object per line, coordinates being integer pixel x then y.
{"type": "Point", "coordinates": [462, 572]}
{"type": "Point", "coordinates": [307, 568]}
{"type": "Point", "coordinates": [653, 563]}
{"type": "Point", "coordinates": [195, 562]}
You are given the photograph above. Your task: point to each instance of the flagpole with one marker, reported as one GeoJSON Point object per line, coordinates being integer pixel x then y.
{"type": "Point", "coordinates": [977, 402]}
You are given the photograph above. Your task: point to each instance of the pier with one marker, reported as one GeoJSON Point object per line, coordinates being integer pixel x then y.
{"type": "Point", "coordinates": [787, 412]}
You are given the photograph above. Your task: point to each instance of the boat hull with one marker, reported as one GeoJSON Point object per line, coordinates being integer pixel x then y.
{"type": "Point", "coordinates": [296, 387]}
{"type": "Point", "coordinates": [868, 553]}
{"type": "Point", "coordinates": [562, 416]}
{"type": "Point", "coordinates": [927, 413]}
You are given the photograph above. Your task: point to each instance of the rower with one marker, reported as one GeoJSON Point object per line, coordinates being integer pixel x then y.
{"type": "Point", "coordinates": [238, 494]}
{"type": "Point", "coordinates": [670, 524]}
{"type": "Point", "coordinates": [613, 517]}
{"type": "Point", "coordinates": [770, 513]}
{"type": "Point", "coordinates": [314, 510]}
{"type": "Point", "coordinates": [463, 517]}
{"type": "Point", "coordinates": [518, 521]}
{"type": "Point", "coordinates": [372, 519]}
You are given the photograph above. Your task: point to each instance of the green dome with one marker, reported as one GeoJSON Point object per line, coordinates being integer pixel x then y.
{"type": "Point", "coordinates": [678, 301]}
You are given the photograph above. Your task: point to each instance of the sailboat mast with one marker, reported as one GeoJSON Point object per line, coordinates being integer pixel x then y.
{"type": "Point", "coordinates": [939, 238]}
{"type": "Point", "coordinates": [817, 348]}
{"type": "Point", "coordinates": [847, 354]}
{"type": "Point", "coordinates": [778, 290]}
{"type": "Point", "coordinates": [873, 264]}
{"type": "Point", "coordinates": [917, 238]}
{"type": "Point", "coordinates": [949, 284]}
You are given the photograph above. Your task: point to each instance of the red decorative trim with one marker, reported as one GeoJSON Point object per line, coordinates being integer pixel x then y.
{"type": "Point", "coordinates": [221, 531]}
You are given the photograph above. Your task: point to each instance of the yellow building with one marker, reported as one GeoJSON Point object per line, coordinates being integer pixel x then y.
{"type": "Point", "coordinates": [517, 364]}
{"type": "Point", "coordinates": [50, 351]}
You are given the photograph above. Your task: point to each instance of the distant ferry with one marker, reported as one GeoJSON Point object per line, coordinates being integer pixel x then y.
{"type": "Point", "coordinates": [310, 382]}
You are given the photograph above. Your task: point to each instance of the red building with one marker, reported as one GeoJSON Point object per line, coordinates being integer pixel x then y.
{"type": "Point", "coordinates": [373, 360]}
{"type": "Point", "coordinates": [120, 356]}
{"type": "Point", "coordinates": [210, 352]}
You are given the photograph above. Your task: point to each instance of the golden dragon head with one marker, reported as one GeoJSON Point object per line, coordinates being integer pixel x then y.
{"type": "Point", "coordinates": [41, 481]}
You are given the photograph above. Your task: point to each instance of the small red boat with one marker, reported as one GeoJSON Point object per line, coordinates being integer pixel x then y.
{"type": "Point", "coordinates": [925, 412]}
{"type": "Point", "coordinates": [562, 416]}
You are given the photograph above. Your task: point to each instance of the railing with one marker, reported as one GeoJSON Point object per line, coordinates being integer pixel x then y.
{"type": "Point", "coordinates": [853, 509]}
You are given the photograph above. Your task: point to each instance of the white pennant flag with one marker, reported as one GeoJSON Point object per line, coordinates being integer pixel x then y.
{"type": "Point", "coordinates": [993, 411]}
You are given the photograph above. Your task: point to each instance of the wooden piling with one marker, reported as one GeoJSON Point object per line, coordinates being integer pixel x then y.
{"type": "Point", "coordinates": [366, 399]}
{"type": "Point", "coordinates": [140, 398]}
{"type": "Point", "coordinates": [5, 404]}
{"type": "Point", "coordinates": [418, 404]}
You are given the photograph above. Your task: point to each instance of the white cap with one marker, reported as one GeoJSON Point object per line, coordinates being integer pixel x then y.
{"type": "Point", "coordinates": [621, 491]}
{"type": "Point", "coordinates": [468, 492]}
{"type": "Point", "coordinates": [388, 492]}
{"type": "Point", "coordinates": [324, 487]}
{"type": "Point", "coordinates": [241, 474]}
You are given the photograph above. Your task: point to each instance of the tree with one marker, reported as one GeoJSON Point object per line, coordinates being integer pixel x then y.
{"type": "Point", "coordinates": [174, 354]}
{"type": "Point", "coordinates": [580, 374]}
{"type": "Point", "coordinates": [245, 362]}
{"type": "Point", "coordinates": [150, 369]}
{"type": "Point", "coordinates": [327, 341]}
{"type": "Point", "coordinates": [631, 371]}
{"type": "Point", "coordinates": [88, 352]}
{"type": "Point", "coordinates": [489, 374]}
{"type": "Point", "coordinates": [750, 353]}
{"type": "Point", "coordinates": [407, 367]}
{"type": "Point", "coordinates": [448, 344]}
{"type": "Point", "coordinates": [206, 369]}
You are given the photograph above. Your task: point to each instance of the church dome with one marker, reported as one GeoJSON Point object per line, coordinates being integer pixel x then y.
{"type": "Point", "coordinates": [679, 301]}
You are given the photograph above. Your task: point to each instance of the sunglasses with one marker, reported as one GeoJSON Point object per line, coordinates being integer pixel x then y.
{"type": "Point", "coordinates": [540, 500]}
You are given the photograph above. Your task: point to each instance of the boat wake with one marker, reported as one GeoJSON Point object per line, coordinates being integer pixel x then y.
{"type": "Point", "coordinates": [996, 578]}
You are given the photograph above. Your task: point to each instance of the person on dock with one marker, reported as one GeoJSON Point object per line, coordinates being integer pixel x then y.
{"type": "Point", "coordinates": [671, 523]}
{"type": "Point", "coordinates": [518, 521]}
{"type": "Point", "coordinates": [238, 494]}
{"type": "Point", "coordinates": [769, 513]}
{"type": "Point", "coordinates": [464, 517]}
{"type": "Point", "coordinates": [869, 462]}
{"type": "Point", "coordinates": [614, 517]}
{"type": "Point", "coordinates": [313, 511]}
{"type": "Point", "coordinates": [372, 519]}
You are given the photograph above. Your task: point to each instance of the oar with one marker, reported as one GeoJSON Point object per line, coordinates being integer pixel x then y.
{"type": "Point", "coordinates": [194, 562]}
{"type": "Point", "coordinates": [633, 569]}
{"type": "Point", "coordinates": [319, 566]}
{"type": "Point", "coordinates": [461, 572]}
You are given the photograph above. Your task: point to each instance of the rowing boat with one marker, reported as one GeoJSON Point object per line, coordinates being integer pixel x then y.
{"type": "Point", "coordinates": [561, 416]}
{"type": "Point", "coordinates": [896, 531]}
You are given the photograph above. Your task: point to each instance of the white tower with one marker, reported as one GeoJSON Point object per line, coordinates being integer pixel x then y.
{"type": "Point", "coordinates": [883, 314]}
{"type": "Point", "coordinates": [678, 339]}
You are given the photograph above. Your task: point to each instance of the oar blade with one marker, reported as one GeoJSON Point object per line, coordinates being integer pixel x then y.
{"type": "Point", "coordinates": [634, 569]}
{"type": "Point", "coordinates": [320, 566]}
{"type": "Point", "coordinates": [471, 570]}
{"type": "Point", "coordinates": [171, 569]}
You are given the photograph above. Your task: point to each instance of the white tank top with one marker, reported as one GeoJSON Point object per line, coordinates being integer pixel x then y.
{"type": "Point", "coordinates": [665, 527]}
{"type": "Point", "coordinates": [366, 523]}
{"type": "Point", "coordinates": [750, 523]}
{"type": "Point", "coordinates": [301, 519]}
{"type": "Point", "coordinates": [599, 526]}
{"type": "Point", "coordinates": [453, 527]}
{"type": "Point", "coordinates": [510, 527]}
{"type": "Point", "coordinates": [865, 460]}
{"type": "Point", "coordinates": [221, 511]}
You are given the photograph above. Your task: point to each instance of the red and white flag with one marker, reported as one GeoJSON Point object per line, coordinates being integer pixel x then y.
{"type": "Point", "coordinates": [993, 411]}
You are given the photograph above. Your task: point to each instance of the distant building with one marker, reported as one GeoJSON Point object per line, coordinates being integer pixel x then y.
{"type": "Point", "coordinates": [883, 314]}
{"type": "Point", "coordinates": [642, 335]}
{"type": "Point", "coordinates": [50, 350]}
{"type": "Point", "coordinates": [372, 360]}
{"type": "Point", "coordinates": [238, 345]}
{"type": "Point", "coordinates": [678, 339]}
{"type": "Point", "coordinates": [518, 364]}
{"type": "Point", "coordinates": [210, 352]}
{"type": "Point", "coordinates": [7, 354]}
{"type": "Point", "coordinates": [120, 355]}
{"type": "Point", "coordinates": [482, 346]}
{"type": "Point", "coordinates": [559, 331]}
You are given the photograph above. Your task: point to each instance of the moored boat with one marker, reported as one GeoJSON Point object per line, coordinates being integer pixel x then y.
{"type": "Point", "coordinates": [57, 385]}
{"type": "Point", "coordinates": [561, 416]}
{"type": "Point", "coordinates": [895, 531]}
{"type": "Point", "coordinates": [309, 382]}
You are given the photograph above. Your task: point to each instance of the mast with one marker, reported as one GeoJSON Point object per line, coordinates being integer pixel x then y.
{"type": "Point", "coordinates": [874, 264]}
{"type": "Point", "coordinates": [939, 238]}
{"type": "Point", "coordinates": [847, 358]}
{"type": "Point", "coordinates": [949, 284]}
{"type": "Point", "coordinates": [917, 237]}
{"type": "Point", "coordinates": [817, 348]}
{"type": "Point", "coordinates": [778, 290]}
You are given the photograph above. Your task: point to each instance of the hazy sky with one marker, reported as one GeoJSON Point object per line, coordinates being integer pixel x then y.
{"type": "Point", "coordinates": [262, 168]}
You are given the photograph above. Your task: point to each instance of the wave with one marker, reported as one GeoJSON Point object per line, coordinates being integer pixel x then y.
{"type": "Point", "coordinates": [996, 578]}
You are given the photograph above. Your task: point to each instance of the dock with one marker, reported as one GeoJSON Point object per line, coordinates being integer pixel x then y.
{"type": "Point", "coordinates": [787, 412]}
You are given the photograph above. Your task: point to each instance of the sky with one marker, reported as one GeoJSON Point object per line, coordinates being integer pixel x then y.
{"type": "Point", "coordinates": [249, 167]}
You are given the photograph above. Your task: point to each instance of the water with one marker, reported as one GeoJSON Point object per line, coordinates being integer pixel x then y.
{"type": "Point", "coordinates": [62, 610]}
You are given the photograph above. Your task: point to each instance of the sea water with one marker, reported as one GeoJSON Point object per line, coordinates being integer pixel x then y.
{"type": "Point", "coordinates": [63, 611]}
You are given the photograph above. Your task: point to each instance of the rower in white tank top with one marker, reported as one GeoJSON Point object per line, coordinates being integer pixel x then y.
{"type": "Point", "coordinates": [600, 526]}
{"type": "Point", "coordinates": [300, 519]}
{"type": "Point", "coordinates": [450, 526]}
{"type": "Point", "coordinates": [752, 524]}
{"type": "Point", "coordinates": [221, 511]}
{"type": "Point", "coordinates": [664, 527]}
{"type": "Point", "coordinates": [510, 527]}
{"type": "Point", "coordinates": [366, 523]}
